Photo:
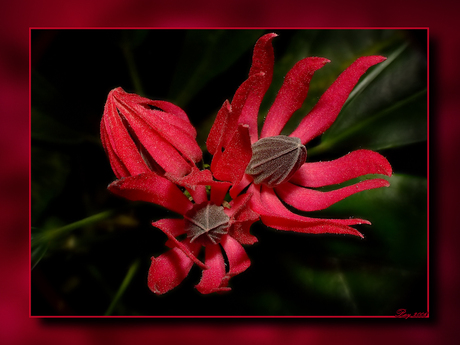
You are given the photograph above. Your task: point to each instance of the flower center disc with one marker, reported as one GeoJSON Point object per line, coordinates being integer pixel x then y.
{"type": "Point", "coordinates": [206, 223]}
{"type": "Point", "coordinates": [275, 159]}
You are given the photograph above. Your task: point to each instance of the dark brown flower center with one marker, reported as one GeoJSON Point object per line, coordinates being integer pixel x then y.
{"type": "Point", "coordinates": [275, 159]}
{"type": "Point", "coordinates": [206, 223]}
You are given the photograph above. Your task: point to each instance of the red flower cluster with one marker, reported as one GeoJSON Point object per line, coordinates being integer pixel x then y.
{"type": "Point", "coordinates": [153, 152]}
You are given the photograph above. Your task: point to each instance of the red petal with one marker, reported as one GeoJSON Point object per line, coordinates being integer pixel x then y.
{"type": "Point", "coordinates": [237, 188]}
{"type": "Point", "coordinates": [198, 194]}
{"type": "Point", "coordinates": [120, 143]}
{"type": "Point", "coordinates": [117, 165]}
{"type": "Point", "coordinates": [228, 117]}
{"type": "Point", "coordinates": [237, 258]}
{"type": "Point", "coordinates": [354, 164]}
{"type": "Point", "coordinates": [179, 118]}
{"type": "Point", "coordinates": [215, 137]}
{"type": "Point", "coordinates": [169, 269]}
{"type": "Point", "coordinates": [262, 62]}
{"type": "Point", "coordinates": [161, 150]}
{"type": "Point", "coordinates": [194, 178]}
{"type": "Point", "coordinates": [180, 138]}
{"type": "Point", "coordinates": [173, 228]}
{"type": "Point", "coordinates": [241, 219]}
{"type": "Point", "coordinates": [274, 214]}
{"type": "Point", "coordinates": [218, 192]}
{"type": "Point", "coordinates": [212, 277]}
{"type": "Point", "coordinates": [306, 199]}
{"type": "Point", "coordinates": [328, 107]}
{"type": "Point", "coordinates": [231, 164]}
{"type": "Point", "coordinates": [291, 95]}
{"type": "Point", "coordinates": [152, 188]}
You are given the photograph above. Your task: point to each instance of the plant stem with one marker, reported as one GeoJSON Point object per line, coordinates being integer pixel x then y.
{"type": "Point", "coordinates": [129, 276]}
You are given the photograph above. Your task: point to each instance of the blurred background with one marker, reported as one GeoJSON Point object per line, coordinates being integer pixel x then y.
{"type": "Point", "coordinates": [91, 250]}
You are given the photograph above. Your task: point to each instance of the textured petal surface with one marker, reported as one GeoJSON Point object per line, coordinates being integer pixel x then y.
{"type": "Point", "coordinates": [213, 276]}
{"type": "Point", "coordinates": [306, 199]}
{"type": "Point", "coordinates": [241, 219]}
{"type": "Point", "coordinates": [159, 148]}
{"type": "Point", "coordinates": [152, 188]}
{"type": "Point", "coordinates": [352, 165]}
{"type": "Point", "coordinates": [329, 105]}
{"type": "Point", "coordinates": [169, 269]}
{"type": "Point", "coordinates": [173, 228]}
{"type": "Point", "coordinates": [228, 116]}
{"type": "Point", "coordinates": [262, 62]}
{"type": "Point", "coordinates": [231, 164]}
{"type": "Point", "coordinates": [118, 143]}
{"type": "Point", "coordinates": [238, 260]}
{"type": "Point", "coordinates": [274, 214]}
{"type": "Point", "coordinates": [291, 95]}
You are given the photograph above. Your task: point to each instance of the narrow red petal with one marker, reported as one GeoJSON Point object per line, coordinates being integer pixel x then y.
{"type": "Point", "coordinates": [218, 192]}
{"type": "Point", "coordinates": [352, 165]}
{"type": "Point", "coordinates": [198, 194]}
{"type": "Point", "coordinates": [274, 214]}
{"type": "Point", "coordinates": [179, 136]}
{"type": "Point", "coordinates": [262, 63]}
{"type": "Point", "coordinates": [329, 105]}
{"type": "Point", "coordinates": [118, 167]}
{"type": "Point", "coordinates": [160, 149]}
{"type": "Point", "coordinates": [173, 228]}
{"type": "Point", "coordinates": [215, 137]}
{"type": "Point", "coordinates": [152, 188]}
{"type": "Point", "coordinates": [291, 95]}
{"type": "Point", "coordinates": [168, 270]}
{"type": "Point", "coordinates": [211, 278]}
{"type": "Point", "coordinates": [241, 219]}
{"type": "Point", "coordinates": [238, 188]}
{"type": "Point", "coordinates": [227, 120]}
{"type": "Point", "coordinates": [231, 164]}
{"type": "Point", "coordinates": [120, 141]}
{"type": "Point", "coordinates": [306, 199]}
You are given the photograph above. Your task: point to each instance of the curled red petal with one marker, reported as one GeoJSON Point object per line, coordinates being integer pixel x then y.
{"type": "Point", "coordinates": [152, 188]}
{"type": "Point", "coordinates": [329, 105]}
{"type": "Point", "coordinates": [274, 214]}
{"type": "Point", "coordinates": [212, 277]}
{"type": "Point", "coordinates": [238, 260]}
{"type": "Point", "coordinates": [169, 269]}
{"type": "Point", "coordinates": [173, 228]}
{"type": "Point", "coordinates": [306, 199]}
{"type": "Point", "coordinates": [231, 164]}
{"type": "Point", "coordinates": [291, 95]}
{"type": "Point", "coordinates": [352, 165]}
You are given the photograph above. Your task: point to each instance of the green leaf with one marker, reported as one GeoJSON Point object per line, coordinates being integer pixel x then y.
{"type": "Point", "coordinates": [206, 54]}
{"type": "Point", "coordinates": [38, 249]}
{"type": "Point", "coordinates": [399, 219]}
{"type": "Point", "coordinates": [388, 108]}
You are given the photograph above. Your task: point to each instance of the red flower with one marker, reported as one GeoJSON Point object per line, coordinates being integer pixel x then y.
{"type": "Point", "coordinates": [141, 135]}
{"type": "Point", "coordinates": [205, 223]}
{"type": "Point", "coordinates": [275, 165]}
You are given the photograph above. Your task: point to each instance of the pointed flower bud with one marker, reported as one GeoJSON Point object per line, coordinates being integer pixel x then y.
{"type": "Point", "coordinates": [140, 135]}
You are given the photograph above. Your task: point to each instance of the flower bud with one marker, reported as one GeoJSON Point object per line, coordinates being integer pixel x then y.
{"type": "Point", "coordinates": [141, 135]}
{"type": "Point", "coordinates": [275, 159]}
